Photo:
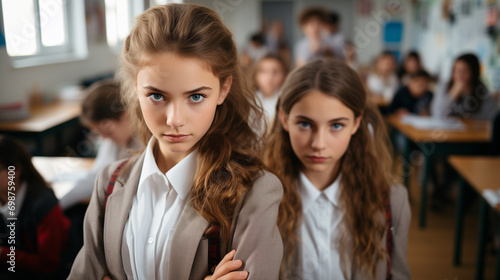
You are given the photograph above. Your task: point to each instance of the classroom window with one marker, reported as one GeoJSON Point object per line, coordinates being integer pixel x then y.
{"type": "Point", "coordinates": [41, 32]}
{"type": "Point", "coordinates": [120, 17]}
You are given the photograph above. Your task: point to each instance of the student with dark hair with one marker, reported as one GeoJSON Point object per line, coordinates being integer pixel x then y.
{"type": "Point", "coordinates": [411, 64]}
{"type": "Point", "coordinates": [314, 45]}
{"type": "Point", "coordinates": [104, 113]}
{"type": "Point", "coordinates": [464, 95]}
{"type": "Point", "coordinates": [41, 229]}
{"type": "Point", "coordinates": [415, 98]}
{"type": "Point", "coordinates": [337, 40]}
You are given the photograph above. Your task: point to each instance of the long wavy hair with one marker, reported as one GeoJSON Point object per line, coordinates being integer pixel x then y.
{"type": "Point", "coordinates": [228, 160]}
{"type": "Point", "coordinates": [365, 166]}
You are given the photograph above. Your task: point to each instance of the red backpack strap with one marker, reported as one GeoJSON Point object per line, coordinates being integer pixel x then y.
{"type": "Point", "coordinates": [112, 181]}
{"type": "Point", "coordinates": [213, 248]}
{"type": "Point", "coordinates": [389, 237]}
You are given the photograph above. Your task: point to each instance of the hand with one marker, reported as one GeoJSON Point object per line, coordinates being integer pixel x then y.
{"type": "Point", "coordinates": [106, 278]}
{"type": "Point", "coordinates": [456, 89]}
{"type": "Point", "coordinates": [225, 269]}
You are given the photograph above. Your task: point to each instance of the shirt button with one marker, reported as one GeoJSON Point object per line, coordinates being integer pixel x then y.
{"type": "Point", "coordinates": [150, 240]}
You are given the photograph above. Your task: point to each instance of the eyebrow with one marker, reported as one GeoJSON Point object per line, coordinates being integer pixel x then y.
{"type": "Point", "coordinates": [202, 88]}
{"type": "Point", "coordinates": [332, 120]}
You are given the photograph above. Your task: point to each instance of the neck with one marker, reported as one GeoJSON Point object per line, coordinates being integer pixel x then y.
{"type": "Point", "coordinates": [166, 159]}
{"type": "Point", "coordinates": [267, 94]}
{"type": "Point", "coordinates": [322, 179]}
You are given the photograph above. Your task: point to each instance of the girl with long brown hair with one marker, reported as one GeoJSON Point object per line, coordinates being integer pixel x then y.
{"type": "Point", "coordinates": [198, 190]}
{"type": "Point", "coordinates": [330, 149]}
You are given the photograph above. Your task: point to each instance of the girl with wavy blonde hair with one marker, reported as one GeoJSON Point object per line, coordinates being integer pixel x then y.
{"type": "Point", "coordinates": [199, 189]}
{"type": "Point", "coordinates": [330, 149]}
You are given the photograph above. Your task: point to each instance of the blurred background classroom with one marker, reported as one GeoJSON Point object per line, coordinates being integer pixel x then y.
{"type": "Point", "coordinates": [431, 66]}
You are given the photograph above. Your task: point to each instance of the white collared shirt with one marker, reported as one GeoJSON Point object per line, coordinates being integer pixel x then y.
{"type": "Point", "coordinates": [320, 230]}
{"type": "Point", "coordinates": [156, 208]}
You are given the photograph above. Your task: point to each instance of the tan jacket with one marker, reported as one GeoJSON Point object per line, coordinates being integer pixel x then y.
{"type": "Point", "coordinates": [254, 233]}
{"type": "Point", "coordinates": [401, 217]}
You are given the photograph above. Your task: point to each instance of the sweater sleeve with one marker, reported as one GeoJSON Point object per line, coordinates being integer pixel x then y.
{"type": "Point", "coordinates": [51, 236]}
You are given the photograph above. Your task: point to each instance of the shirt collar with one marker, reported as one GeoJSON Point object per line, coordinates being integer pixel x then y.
{"type": "Point", "coordinates": [180, 177]}
{"type": "Point", "coordinates": [309, 193]}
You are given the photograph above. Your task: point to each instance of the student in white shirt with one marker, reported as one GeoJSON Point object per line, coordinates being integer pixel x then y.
{"type": "Point", "coordinates": [315, 44]}
{"type": "Point", "coordinates": [103, 112]}
{"type": "Point", "coordinates": [268, 77]}
{"type": "Point", "coordinates": [200, 173]}
{"type": "Point", "coordinates": [335, 169]}
{"type": "Point", "coordinates": [383, 80]}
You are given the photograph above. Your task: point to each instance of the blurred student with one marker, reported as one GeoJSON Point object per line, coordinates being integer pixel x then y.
{"type": "Point", "coordinates": [415, 98]}
{"type": "Point", "coordinates": [270, 73]}
{"type": "Point", "coordinates": [337, 41]}
{"type": "Point", "coordinates": [314, 45]}
{"type": "Point", "coordinates": [41, 229]}
{"type": "Point", "coordinates": [254, 51]}
{"type": "Point", "coordinates": [464, 96]}
{"type": "Point", "coordinates": [410, 65]}
{"type": "Point", "coordinates": [341, 216]}
{"type": "Point", "coordinates": [104, 113]}
{"type": "Point", "coordinates": [383, 80]}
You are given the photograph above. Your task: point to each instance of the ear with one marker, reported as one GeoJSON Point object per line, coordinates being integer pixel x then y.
{"type": "Point", "coordinates": [357, 122]}
{"type": "Point", "coordinates": [224, 91]}
{"type": "Point", "coordinates": [283, 119]}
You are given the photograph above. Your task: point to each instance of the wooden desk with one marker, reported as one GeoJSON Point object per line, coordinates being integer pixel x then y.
{"type": "Point", "coordinates": [51, 166]}
{"type": "Point", "coordinates": [481, 173]}
{"type": "Point", "coordinates": [45, 119]}
{"type": "Point", "coordinates": [473, 140]}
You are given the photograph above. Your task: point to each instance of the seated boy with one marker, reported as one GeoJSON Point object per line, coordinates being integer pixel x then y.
{"type": "Point", "coordinates": [415, 98]}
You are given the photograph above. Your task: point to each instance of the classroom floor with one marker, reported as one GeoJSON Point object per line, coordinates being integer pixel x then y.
{"type": "Point", "coordinates": [430, 250]}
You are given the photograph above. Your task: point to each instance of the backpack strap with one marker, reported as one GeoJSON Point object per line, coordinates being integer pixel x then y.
{"type": "Point", "coordinates": [213, 248]}
{"type": "Point", "coordinates": [112, 181]}
{"type": "Point", "coordinates": [389, 237]}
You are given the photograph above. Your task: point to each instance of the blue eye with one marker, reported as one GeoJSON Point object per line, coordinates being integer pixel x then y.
{"type": "Point", "coordinates": [196, 98]}
{"type": "Point", "coordinates": [337, 126]}
{"type": "Point", "coordinates": [304, 124]}
{"type": "Point", "coordinates": [155, 97]}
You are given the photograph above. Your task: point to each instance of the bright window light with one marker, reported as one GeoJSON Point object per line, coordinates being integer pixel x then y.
{"type": "Point", "coordinates": [52, 23]}
{"type": "Point", "coordinates": [21, 33]}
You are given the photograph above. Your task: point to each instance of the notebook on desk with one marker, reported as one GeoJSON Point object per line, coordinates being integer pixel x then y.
{"type": "Point", "coordinates": [426, 123]}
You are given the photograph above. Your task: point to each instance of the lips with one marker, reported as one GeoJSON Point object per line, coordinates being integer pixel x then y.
{"type": "Point", "coordinates": [176, 137]}
{"type": "Point", "coordinates": [317, 159]}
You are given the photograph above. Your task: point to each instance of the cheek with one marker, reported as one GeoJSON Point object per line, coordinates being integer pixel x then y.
{"type": "Point", "coordinates": [340, 143]}
{"type": "Point", "coordinates": [299, 140]}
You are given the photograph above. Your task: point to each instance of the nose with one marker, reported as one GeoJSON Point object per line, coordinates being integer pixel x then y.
{"type": "Point", "coordinates": [175, 117]}
{"type": "Point", "coordinates": [319, 140]}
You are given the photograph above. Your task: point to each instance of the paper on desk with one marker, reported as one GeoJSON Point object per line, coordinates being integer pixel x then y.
{"type": "Point", "coordinates": [492, 196]}
{"type": "Point", "coordinates": [69, 176]}
{"type": "Point", "coordinates": [432, 122]}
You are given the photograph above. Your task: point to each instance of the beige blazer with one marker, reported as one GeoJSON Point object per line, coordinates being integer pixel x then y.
{"type": "Point", "coordinates": [254, 233]}
{"type": "Point", "coordinates": [401, 217]}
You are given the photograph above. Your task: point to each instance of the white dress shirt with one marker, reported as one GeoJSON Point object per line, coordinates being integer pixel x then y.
{"type": "Point", "coordinates": [320, 230]}
{"type": "Point", "coordinates": [155, 211]}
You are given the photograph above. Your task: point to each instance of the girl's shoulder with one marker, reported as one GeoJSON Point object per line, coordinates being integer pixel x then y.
{"type": "Point", "coordinates": [400, 204]}
{"type": "Point", "coordinates": [125, 169]}
{"type": "Point", "coordinates": [266, 186]}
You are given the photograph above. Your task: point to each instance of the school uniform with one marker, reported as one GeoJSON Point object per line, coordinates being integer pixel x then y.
{"type": "Point", "coordinates": [107, 153]}
{"type": "Point", "coordinates": [41, 234]}
{"type": "Point", "coordinates": [316, 255]}
{"type": "Point", "coordinates": [180, 252]}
